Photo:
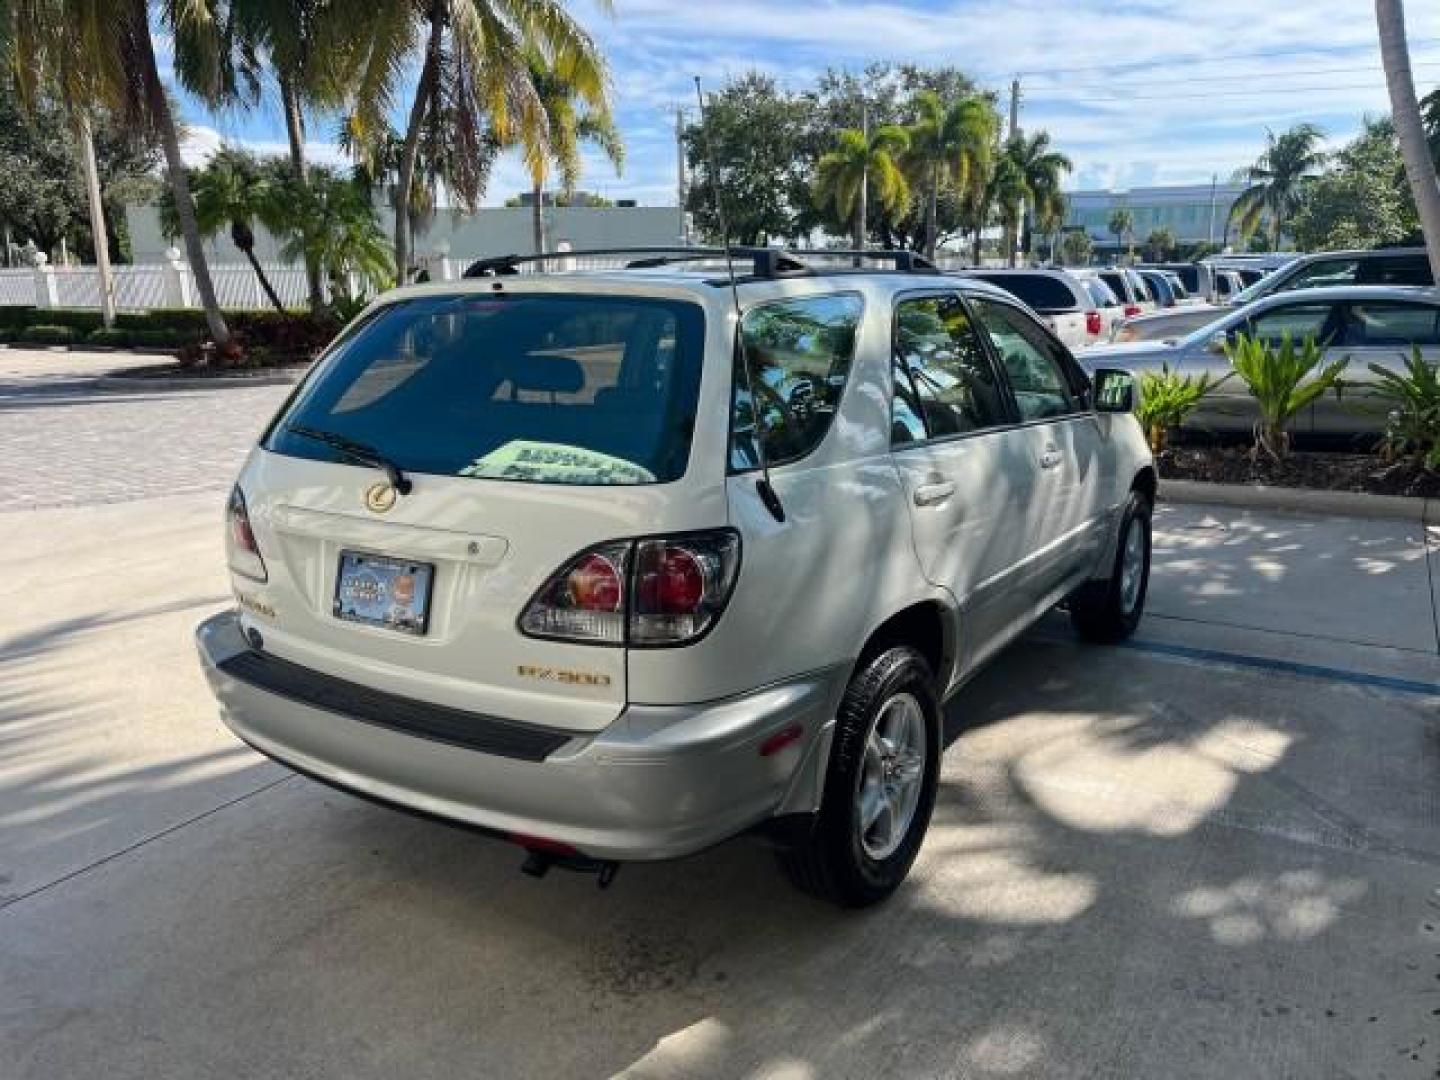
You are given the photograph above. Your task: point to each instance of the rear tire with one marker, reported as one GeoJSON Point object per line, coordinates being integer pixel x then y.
{"type": "Point", "coordinates": [880, 787]}
{"type": "Point", "coordinates": [1109, 610]}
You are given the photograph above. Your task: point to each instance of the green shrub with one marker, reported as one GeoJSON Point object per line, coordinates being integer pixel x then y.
{"type": "Point", "coordinates": [16, 318]}
{"type": "Point", "coordinates": [1413, 427]}
{"type": "Point", "coordinates": [1167, 398]}
{"type": "Point", "coordinates": [112, 337]}
{"type": "Point", "coordinates": [76, 319]}
{"type": "Point", "coordinates": [1283, 381]}
{"type": "Point", "coordinates": [163, 338]}
{"type": "Point", "coordinates": [164, 319]}
{"type": "Point", "coordinates": [49, 335]}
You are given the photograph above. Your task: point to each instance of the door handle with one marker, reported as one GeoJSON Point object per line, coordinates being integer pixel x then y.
{"type": "Point", "coordinates": [1050, 458]}
{"type": "Point", "coordinates": [930, 494]}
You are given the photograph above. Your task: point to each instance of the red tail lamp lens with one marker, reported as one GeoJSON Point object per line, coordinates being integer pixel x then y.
{"type": "Point", "coordinates": [1131, 310]}
{"type": "Point", "coordinates": [673, 585]}
{"type": "Point", "coordinates": [595, 584]}
{"type": "Point", "coordinates": [1092, 322]}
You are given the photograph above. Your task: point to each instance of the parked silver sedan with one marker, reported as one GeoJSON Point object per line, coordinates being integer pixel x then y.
{"type": "Point", "coordinates": [1367, 323]}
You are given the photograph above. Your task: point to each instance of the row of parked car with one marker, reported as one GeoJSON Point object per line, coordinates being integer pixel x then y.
{"type": "Point", "coordinates": [1368, 307]}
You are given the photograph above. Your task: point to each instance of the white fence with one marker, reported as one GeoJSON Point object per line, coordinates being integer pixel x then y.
{"type": "Point", "coordinates": [152, 285]}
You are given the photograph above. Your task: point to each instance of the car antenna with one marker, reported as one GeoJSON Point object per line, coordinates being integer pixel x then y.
{"type": "Point", "coordinates": [763, 487]}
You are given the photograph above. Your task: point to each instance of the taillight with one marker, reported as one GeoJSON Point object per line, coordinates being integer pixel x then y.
{"type": "Point", "coordinates": [643, 593]}
{"type": "Point", "coordinates": [1131, 310]}
{"type": "Point", "coordinates": [241, 549]}
{"type": "Point", "coordinates": [1092, 323]}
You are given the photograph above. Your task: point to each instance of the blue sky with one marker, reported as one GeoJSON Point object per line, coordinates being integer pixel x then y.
{"type": "Point", "coordinates": [1137, 93]}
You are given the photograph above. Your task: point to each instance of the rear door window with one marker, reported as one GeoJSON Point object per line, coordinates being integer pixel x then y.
{"type": "Point", "coordinates": [1379, 323]}
{"type": "Point", "coordinates": [1297, 321]}
{"type": "Point", "coordinates": [799, 354]}
{"type": "Point", "coordinates": [1324, 272]}
{"type": "Point", "coordinates": [1101, 293]}
{"type": "Point", "coordinates": [1042, 292]}
{"type": "Point", "coordinates": [1118, 285]}
{"type": "Point", "coordinates": [532, 388]}
{"type": "Point", "coordinates": [1034, 363]}
{"type": "Point", "coordinates": [1396, 270]}
{"type": "Point", "coordinates": [944, 381]}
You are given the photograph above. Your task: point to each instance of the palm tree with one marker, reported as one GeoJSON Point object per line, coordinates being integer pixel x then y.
{"type": "Point", "coordinates": [1040, 169]}
{"type": "Point", "coordinates": [843, 174]}
{"type": "Point", "coordinates": [233, 191]}
{"type": "Point", "coordinates": [1419, 166]}
{"type": "Point", "coordinates": [474, 80]}
{"type": "Point", "coordinates": [332, 222]}
{"type": "Point", "coordinates": [40, 50]}
{"type": "Point", "coordinates": [1277, 179]}
{"type": "Point", "coordinates": [1121, 224]}
{"type": "Point", "coordinates": [948, 142]}
{"type": "Point", "coordinates": [1008, 192]}
{"type": "Point", "coordinates": [568, 124]}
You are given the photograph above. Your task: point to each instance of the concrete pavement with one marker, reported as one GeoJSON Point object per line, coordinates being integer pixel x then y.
{"type": "Point", "coordinates": [1179, 858]}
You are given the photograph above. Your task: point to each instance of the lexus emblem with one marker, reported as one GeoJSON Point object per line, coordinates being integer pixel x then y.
{"type": "Point", "coordinates": [380, 497]}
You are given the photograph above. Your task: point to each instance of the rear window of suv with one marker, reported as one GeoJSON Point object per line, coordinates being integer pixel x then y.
{"type": "Point", "coordinates": [536, 388]}
{"type": "Point", "coordinates": [1042, 292]}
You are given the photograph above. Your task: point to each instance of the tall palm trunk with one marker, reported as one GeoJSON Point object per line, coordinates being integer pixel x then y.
{"type": "Point", "coordinates": [98, 233]}
{"type": "Point", "coordinates": [537, 217]}
{"type": "Point", "coordinates": [932, 210]}
{"type": "Point", "coordinates": [295, 133]}
{"type": "Point", "coordinates": [1395, 55]}
{"type": "Point", "coordinates": [424, 88]}
{"type": "Point", "coordinates": [164, 120]}
{"type": "Point", "coordinates": [244, 239]}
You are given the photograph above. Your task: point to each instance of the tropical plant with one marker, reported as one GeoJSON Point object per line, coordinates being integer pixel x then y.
{"type": "Point", "coordinates": [1006, 191]}
{"type": "Point", "coordinates": [1121, 224]}
{"type": "Point", "coordinates": [1362, 200]}
{"type": "Point", "coordinates": [1277, 180]}
{"type": "Point", "coordinates": [1076, 247]}
{"type": "Point", "coordinates": [332, 221]}
{"type": "Point", "coordinates": [949, 141]}
{"type": "Point", "coordinates": [1412, 429]}
{"type": "Point", "coordinates": [1041, 170]}
{"type": "Point", "coordinates": [1160, 244]}
{"type": "Point", "coordinates": [858, 162]}
{"type": "Point", "coordinates": [1409, 128]}
{"type": "Point", "coordinates": [568, 123]}
{"type": "Point", "coordinates": [233, 191]}
{"type": "Point", "coordinates": [1167, 398]}
{"type": "Point", "coordinates": [1284, 381]}
{"type": "Point", "coordinates": [474, 84]}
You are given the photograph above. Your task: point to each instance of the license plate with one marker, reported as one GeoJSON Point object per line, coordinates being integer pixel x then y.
{"type": "Point", "coordinates": [380, 591]}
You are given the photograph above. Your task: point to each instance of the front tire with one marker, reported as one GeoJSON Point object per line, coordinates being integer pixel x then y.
{"type": "Point", "coordinates": [1109, 610]}
{"type": "Point", "coordinates": [880, 788]}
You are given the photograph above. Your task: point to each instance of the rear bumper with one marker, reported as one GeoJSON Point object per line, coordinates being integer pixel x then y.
{"type": "Point", "coordinates": [661, 782]}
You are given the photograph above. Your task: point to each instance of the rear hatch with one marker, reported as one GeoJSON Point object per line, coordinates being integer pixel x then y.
{"type": "Point", "coordinates": [529, 427]}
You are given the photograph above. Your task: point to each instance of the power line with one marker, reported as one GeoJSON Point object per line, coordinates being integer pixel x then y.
{"type": "Point", "coordinates": [1193, 61]}
{"type": "Point", "coordinates": [1245, 76]}
{"type": "Point", "coordinates": [1121, 99]}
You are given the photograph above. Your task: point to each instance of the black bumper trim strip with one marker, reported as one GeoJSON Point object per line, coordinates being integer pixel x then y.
{"type": "Point", "coordinates": [439, 723]}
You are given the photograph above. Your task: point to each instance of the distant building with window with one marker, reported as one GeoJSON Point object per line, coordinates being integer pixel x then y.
{"type": "Point", "coordinates": [1195, 213]}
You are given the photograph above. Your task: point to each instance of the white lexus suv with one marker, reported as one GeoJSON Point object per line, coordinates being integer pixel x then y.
{"type": "Point", "coordinates": [550, 555]}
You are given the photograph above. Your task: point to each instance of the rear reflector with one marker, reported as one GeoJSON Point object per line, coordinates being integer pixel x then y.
{"type": "Point", "coordinates": [780, 740]}
{"type": "Point", "coordinates": [542, 843]}
{"type": "Point", "coordinates": [1131, 310]}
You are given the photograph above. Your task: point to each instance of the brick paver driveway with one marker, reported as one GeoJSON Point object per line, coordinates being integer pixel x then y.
{"type": "Point", "coordinates": [65, 443]}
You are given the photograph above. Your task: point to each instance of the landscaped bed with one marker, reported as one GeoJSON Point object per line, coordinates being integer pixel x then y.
{"type": "Point", "coordinates": [1324, 470]}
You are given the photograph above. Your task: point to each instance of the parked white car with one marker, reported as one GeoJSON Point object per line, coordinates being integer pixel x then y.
{"type": "Point", "coordinates": [1366, 324]}
{"type": "Point", "coordinates": [1061, 299]}
{"type": "Point", "coordinates": [548, 556]}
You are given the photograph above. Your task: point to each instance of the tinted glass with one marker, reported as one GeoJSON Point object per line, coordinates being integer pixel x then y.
{"type": "Point", "coordinates": [546, 389]}
{"type": "Point", "coordinates": [1190, 275]}
{"type": "Point", "coordinates": [1031, 360]}
{"type": "Point", "coordinates": [944, 384]}
{"type": "Point", "coordinates": [1101, 293]}
{"type": "Point", "coordinates": [1299, 321]}
{"type": "Point", "coordinates": [1324, 272]}
{"type": "Point", "coordinates": [1117, 285]}
{"type": "Point", "coordinates": [1381, 323]}
{"type": "Point", "coordinates": [1396, 270]}
{"type": "Point", "coordinates": [1040, 291]}
{"type": "Point", "coordinates": [799, 356]}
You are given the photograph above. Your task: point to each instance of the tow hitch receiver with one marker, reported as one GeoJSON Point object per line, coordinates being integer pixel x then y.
{"type": "Point", "coordinates": [538, 863]}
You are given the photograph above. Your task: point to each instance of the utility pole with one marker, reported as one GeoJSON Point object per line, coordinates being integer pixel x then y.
{"type": "Point", "coordinates": [1014, 241]}
{"type": "Point", "coordinates": [860, 228]}
{"type": "Point", "coordinates": [1014, 108]}
{"type": "Point", "coordinates": [1210, 232]}
{"type": "Point", "coordinates": [680, 186]}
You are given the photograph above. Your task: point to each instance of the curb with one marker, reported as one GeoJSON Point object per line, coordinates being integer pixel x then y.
{"type": "Point", "coordinates": [1303, 500]}
{"type": "Point", "coordinates": [215, 382]}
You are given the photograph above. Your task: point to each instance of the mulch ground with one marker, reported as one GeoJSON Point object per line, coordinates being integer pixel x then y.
{"type": "Point", "coordinates": [173, 370]}
{"type": "Point", "coordinates": [1321, 469]}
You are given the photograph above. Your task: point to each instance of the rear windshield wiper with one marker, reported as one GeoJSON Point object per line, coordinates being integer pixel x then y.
{"type": "Point", "coordinates": [356, 451]}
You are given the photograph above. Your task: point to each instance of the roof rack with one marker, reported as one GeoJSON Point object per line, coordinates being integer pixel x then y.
{"type": "Point", "coordinates": [765, 262]}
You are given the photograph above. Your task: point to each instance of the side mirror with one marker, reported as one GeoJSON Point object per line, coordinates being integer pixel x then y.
{"type": "Point", "coordinates": [1114, 391]}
